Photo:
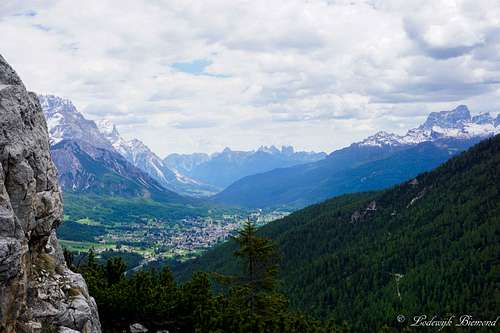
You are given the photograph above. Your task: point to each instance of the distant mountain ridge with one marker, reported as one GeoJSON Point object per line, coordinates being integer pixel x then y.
{"type": "Point", "coordinates": [98, 181]}
{"type": "Point", "coordinates": [223, 168]}
{"type": "Point", "coordinates": [267, 177]}
{"type": "Point", "coordinates": [379, 161]}
{"type": "Point", "coordinates": [135, 151]}
{"type": "Point", "coordinates": [194, 175]}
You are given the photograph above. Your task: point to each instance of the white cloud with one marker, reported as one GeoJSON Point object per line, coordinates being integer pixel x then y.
{"type": "Point", "coordinates": [315, 74]}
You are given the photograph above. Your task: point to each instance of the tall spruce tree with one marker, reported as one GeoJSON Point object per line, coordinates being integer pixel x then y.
{"type": "Point", "coordinates": [255, 289]}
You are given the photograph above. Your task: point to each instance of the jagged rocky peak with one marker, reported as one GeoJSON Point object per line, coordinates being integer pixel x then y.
{"type": "Point", "coordinates": [483, 118]}
{"type": "Point", "coordinates": [135, 151]}
{"type": "Point", "coordinates": [448, 119]}
{"type": "Point", "coordinates": [382, 138]}
{"type": "Point", "coordinates": [38, 292]}
{"type": "Point", "coordinates": [65, 122]}
{"type": "Point", "coordinates": [55, 104]}
{"type": "Point", "coordinates": [139, 145]}
{"type": "Point", "coordinates": [128, 148]}
{"type": "Point", "coordinates": [269, 149]}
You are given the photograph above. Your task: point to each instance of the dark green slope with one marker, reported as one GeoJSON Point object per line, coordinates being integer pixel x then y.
{"type": "Point", "coordinates": [440, 234]}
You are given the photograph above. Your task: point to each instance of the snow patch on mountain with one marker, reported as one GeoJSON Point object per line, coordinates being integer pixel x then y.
{"type": "Point", "coordinates": [381, 139]}
{"type": "Point", "coordinates": [135, 151]}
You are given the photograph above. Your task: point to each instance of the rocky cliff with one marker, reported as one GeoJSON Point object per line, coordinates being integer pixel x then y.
{"type": "Point", "coordinates": [38, 293]}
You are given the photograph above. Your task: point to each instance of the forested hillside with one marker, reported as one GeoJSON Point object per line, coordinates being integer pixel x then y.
{"type": "Point", "coordinates": [427, 246]}
{"type": "Point", "coordinates": [248, 302]}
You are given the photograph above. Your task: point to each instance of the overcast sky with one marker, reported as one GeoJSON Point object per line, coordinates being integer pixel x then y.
{"type": "Point", "coordinates": [186, 76]}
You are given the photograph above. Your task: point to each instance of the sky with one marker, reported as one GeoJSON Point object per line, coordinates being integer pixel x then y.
{"type": "Point", "coordinates": [197, 76]}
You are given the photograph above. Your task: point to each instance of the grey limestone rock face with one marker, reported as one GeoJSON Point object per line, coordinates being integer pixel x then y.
{"type": "Point", "coordinates": [37, 291]}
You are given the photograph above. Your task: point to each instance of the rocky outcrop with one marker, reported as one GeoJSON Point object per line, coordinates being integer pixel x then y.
{"type": "Point", "coordinates": [358, 216]}
{"type": "Point", "coordinates": [137, 328]}
{"type": "Point", "coordinates": [38, 293]}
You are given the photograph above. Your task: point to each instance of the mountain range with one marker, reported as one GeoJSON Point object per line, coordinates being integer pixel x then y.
{"type": "Point", "coordinates": [93, 157]}
{"type": "Point", "coordinates": [455, 124]}
{"type": "Point", "coordinates": [223, 168]}
{"type": "Point", "coordinates": [379, 161]}
{"type": "Point", "coordinates": [426, 246]}
{"type": "Point", "coordinates": [196, 175]}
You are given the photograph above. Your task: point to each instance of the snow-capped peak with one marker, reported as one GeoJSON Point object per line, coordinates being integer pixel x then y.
{"type": "Point", "coordinates": [137, 153]}
{"type": "Point", "coordinates": [109, 130]}
{"type": "Point", "coordinates": [53, 104]}
{"type": "Point", "coordinates": [381, 138]}
{"type": "Point", "coordinates": [65, 122]}
{"type": "Point", "coordinates": [456, 123]}
{"type": "Point", "coordinates": [130, 149]}
{"type": "Point", "coordinates": [448, 119]}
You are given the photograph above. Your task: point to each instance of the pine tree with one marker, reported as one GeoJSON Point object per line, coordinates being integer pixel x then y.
{"type": "Point", "coordinates": [115, 270]}
{"type": "Point", "coordinates": [255, 289]}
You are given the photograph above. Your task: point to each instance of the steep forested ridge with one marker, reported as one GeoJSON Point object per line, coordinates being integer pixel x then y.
{"type": "Point", "coordinates": [427, 246]}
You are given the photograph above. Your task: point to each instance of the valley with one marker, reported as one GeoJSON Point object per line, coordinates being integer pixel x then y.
{"type": "Point", "coordinates": [249, 166]}
{"type": "Point", "coordinates": [158, 239]}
